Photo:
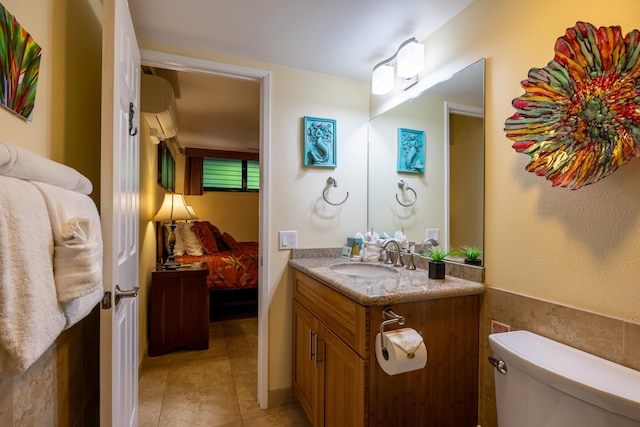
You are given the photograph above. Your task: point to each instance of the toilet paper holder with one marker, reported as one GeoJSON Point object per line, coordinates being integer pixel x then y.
{"type": "Point", "coordinates": [389, 317]}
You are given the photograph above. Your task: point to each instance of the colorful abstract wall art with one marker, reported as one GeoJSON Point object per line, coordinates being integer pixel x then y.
{"type": "Point", "coordinates": [319, 142]}
{"type": "Point", "coordinates": [579, 118]}
{"type": "Point", "coordinates": [411, 151]}
{"type": "Point", "coordinates": [19, 66]}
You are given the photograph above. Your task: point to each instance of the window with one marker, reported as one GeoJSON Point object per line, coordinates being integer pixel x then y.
{"type": "Point", "coordinates": [230, 174]}
{"type": "Point", "coordinates": [166, 167]}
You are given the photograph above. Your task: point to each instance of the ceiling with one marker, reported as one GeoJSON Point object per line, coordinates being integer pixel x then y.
{"type": "Point", "coordinates": [338, 37]}
{"type": "Point", "coordinates": [215, 112]}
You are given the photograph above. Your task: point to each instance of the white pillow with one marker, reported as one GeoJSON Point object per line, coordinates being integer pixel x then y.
{"type": "Point", "coordinates": [191, 241]}
{"type": "Point", "coordinates": [178, 248]}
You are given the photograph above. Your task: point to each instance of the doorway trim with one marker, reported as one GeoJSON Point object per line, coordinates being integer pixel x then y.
{"type": "Point", "coordinates": [197, 65]}
{"type": "Point", "coordinates": [462, 110]}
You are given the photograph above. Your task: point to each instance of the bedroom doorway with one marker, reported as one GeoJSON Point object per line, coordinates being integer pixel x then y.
{"type": "Point", "coordinates": [262, 78]}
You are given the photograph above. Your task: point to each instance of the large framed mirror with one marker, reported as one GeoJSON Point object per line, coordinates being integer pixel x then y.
{"type": "Point", "coordinates": [448, 198]}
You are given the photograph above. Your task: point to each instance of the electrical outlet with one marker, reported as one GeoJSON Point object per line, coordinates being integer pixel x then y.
{"type": "Point", "coordinates": [497, 327]}
{"type": "Point", "coordinates": [288, 239]}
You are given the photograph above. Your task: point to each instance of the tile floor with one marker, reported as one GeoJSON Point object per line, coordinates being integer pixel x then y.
{"type": "Point", "coordinates": [213, 388]}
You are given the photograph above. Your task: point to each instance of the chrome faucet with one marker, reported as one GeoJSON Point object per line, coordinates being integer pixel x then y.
{"type": "Point", "coordinates": [398, 260]}
{"type": "Point", "coordinates": [430, 242]}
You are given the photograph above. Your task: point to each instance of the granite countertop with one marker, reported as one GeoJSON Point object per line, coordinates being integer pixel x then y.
{"type": "Point", "coordinates": [407, 285]}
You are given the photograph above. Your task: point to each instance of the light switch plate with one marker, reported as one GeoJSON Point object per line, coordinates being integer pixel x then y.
{"type": "Point", "coordinates": [288, 239]}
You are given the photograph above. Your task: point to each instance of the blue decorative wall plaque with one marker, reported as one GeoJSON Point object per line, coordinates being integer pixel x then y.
{"type": "Point", "coordinates": [319, 142]}
{"type": "Point", "coordinates": [411, 151]}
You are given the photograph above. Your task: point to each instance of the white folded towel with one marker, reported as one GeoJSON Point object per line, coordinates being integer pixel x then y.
{"type": "Point", "coordinates": [77, 255]}
{"type": "Point", "coordinates": [30, 316]}
{"type": "Point", "coordinates": [79, 308]}
{"type": "Point", "coordinates": [20, 163]}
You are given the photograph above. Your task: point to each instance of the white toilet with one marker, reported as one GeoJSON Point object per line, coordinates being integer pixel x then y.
{"type": "Point", "coordinates": [548, 384]}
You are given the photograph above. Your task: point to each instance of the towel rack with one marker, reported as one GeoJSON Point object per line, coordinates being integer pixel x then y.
{"type": "Point", "coordinates": [405, 187]}
{"type": "Point", "coordinates": [331, 182]}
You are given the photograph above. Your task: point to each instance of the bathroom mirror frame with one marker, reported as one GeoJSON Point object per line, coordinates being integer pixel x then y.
{"type": "Point", "coordinates": [460, 95]}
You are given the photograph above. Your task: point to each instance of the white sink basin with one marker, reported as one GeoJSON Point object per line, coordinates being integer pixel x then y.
{"type": "Point", "coordinates": [365, 270]}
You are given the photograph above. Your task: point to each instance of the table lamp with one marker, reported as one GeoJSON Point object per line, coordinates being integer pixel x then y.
{"type": "Point", "coordinates": [173, 209]}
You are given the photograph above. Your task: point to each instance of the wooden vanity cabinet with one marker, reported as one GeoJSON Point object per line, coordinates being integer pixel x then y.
{"type": "Point", "coordinates": [338, 381]}
{"type": "Point", "coordinates": [329, 376]}
{"type": "Point", "coordinates": [445, 392]}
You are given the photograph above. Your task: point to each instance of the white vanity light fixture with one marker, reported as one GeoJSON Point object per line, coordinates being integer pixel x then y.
{"type": "Point", "coordinates": [382, 79]}
{"type": "Point", "coordinates": [409, 59]}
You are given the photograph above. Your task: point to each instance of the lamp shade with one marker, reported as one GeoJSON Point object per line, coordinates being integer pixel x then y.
{"type": "Point", "coordinates": [410, 59]}
{"type": "Point", "coordinates": [173, 208]}
{"type": "Point", "coordinates": [193, 214]}
{"type": "Point", "coordinates": [382, 80]}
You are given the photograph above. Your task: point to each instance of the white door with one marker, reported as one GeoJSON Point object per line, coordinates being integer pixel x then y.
{"type": "Point", "coordinates": [119, 188]}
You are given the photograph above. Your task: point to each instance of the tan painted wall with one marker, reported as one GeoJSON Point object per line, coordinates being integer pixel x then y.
{"type": "Point", "coordinates": [232, 212]}
{"type": "Point", "coordinates": [296, 193]}
{"type": "Point", "coordinates": [151, 197]}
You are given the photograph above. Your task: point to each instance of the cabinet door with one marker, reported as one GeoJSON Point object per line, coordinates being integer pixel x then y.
{"type": "Point", "coordinates": [179, 311]}
{"type": "Point", "coordinates": [342, 383]}
{"type": "Point", "coordinates": [305, 379]}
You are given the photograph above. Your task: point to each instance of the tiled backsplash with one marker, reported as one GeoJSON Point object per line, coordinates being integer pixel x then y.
{"type": "Point", "coordinates": [610, 338]}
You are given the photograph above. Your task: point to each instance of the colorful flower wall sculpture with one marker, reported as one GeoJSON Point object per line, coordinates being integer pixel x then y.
{"type": "Point", "coordinates": [579, 119]}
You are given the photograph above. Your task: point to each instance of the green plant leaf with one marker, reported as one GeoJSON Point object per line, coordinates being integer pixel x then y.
{"type": "Point", "coordinates": [436, 254]}
{"type": "Point", "coordinates": [469, 252]}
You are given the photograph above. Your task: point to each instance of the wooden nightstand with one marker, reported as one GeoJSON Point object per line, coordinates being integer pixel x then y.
{"type": "Point", "coordinates": [178, 310]}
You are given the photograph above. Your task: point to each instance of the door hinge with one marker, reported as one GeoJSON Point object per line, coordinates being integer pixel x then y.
{"type": "Point", "coordinates": [106, 301]}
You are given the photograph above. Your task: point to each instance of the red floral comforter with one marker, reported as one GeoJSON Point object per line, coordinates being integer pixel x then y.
{"type": "Point", "coordinates": [235, 269]}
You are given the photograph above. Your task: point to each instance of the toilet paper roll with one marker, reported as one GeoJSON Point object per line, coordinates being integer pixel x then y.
{"type": "Point", "coordinates": [401, 361]}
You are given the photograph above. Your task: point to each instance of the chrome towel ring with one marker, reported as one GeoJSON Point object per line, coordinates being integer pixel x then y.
{"type": "Point", "coordinates": [331, 182]}
{"type": "Point", "coordinates": [405, 187]}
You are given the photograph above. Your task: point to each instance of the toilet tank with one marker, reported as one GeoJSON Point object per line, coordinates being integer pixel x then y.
{"type": "Point", "coordinates": [549, 384]}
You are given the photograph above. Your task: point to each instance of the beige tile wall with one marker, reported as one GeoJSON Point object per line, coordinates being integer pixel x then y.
{"type": "Point", "coordinates": [612, 339]}
{"type": "Point", "coordinates": [61, 388]}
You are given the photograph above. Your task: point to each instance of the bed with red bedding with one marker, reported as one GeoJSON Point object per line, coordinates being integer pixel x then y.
{"type": "Point", "coordinates": [231, 264]}
{"type": "Point", "coordinates": [230, 269]}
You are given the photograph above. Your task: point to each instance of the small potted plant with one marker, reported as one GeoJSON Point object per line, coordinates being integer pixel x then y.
{"type": "Point", "coordinates": [436, 264]}
{"type": "Point", "coordinates": [471, 255]}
